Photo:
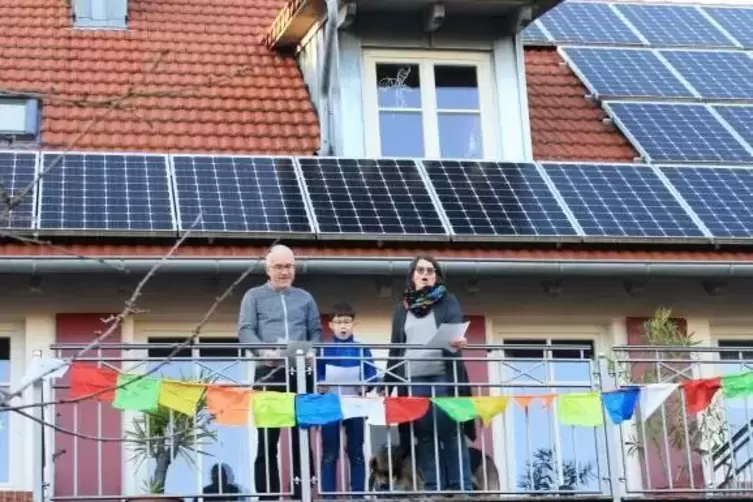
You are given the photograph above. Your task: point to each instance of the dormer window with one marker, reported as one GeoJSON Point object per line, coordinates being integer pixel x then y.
{"type": "Point", "coordinates": [429, 105]}
{"type": "Point", "coordinates": [100, 13]}
{"type": "Point", "coordinates": [19, 117]}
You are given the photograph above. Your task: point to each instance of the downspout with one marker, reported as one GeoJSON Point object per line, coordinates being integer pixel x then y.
{"type": "Point", "coordinates": [325, 85]}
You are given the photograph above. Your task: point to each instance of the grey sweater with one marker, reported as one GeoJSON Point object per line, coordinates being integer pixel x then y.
{"type": "Point", "coordinates": [270, 316]}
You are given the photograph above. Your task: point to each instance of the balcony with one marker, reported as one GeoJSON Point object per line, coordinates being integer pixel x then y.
{"type": "Point", "coordinates": [528, 451]}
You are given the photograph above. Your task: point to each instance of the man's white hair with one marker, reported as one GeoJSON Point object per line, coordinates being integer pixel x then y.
{"type": "Point", "coordinates": [276, 250]}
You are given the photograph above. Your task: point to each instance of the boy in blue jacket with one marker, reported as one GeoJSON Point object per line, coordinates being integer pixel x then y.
{"type": "Point", "coordinates": [345, 352]}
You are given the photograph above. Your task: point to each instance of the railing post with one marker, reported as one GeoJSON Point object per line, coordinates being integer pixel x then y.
{"type": "Point", "coordinates": [305, 480]}
{"type": "Point", "coordinates": [37, 397]}
{"type": "Point", "coordinates": [612, 448]}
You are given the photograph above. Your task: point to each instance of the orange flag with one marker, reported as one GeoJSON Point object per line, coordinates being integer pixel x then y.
{"type": "Point", "coordinates": [229, 406]}
{"type": "Point", "coordinates": [87, 379]}
{"type": "Point", "coordinates": [699, 393]}
{"type": "Point", "coordinates": [405, 409]}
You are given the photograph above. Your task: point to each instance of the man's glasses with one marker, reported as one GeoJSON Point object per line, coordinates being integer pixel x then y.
{"type": "Point", "coordinates": [281, 267]}
{"type": "Point", "coordinates": [425, 270]}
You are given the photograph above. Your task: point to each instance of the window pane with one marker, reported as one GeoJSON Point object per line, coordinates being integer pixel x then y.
{"type": "Point", "coordinates": [398, 86]}
{"type": "Point", "coordinates": [460, 136]}
{"type": "Point", "coordinates": [4, 446]}
{"type": "Point", "coordinates": [5, 360]}
{"type": "Point", "coordinates": [401, 134]}
{"type": "Point", "coordinates": [457, 87]}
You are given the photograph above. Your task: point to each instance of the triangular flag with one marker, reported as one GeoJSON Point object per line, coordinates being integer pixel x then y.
{"type": "Point", "coordinates": [652, 396]}
{"type": "Point", "coordinates": [460, 409]}
{"type": "Point", "coordinates": [229, 406]}
{"type": "Point", "coordinates": [620, 404]}
{"type": "Point", "coordinates": [44, 368]}
{"type": "Point", "coordinates": [317, 409]}
{"type": "Point", "coordinates": [739, 385]}
{"type": "Point", "coordinates": [137, 393]}
{"type": "Point", "coordinates": [371, 408]}
{"type": "Point", "coordinates": [87, 379]}
{"type": "Point", "coordinates": [489, 407]}
{"type": "Point", "coordinates": [546, 399]}
{"type": "Point", "coordinates": [699, 393]}
{"type": "Point", "coordinates": [273, 409]}
{"type": "Point", "coordinates": [582, 409]}
{"type": "Point", "coordinates": [524, 401]}
{"type": "Point", "coordinates": [405, 409]}
{"type": "Point", "coordinates": [180, 396]}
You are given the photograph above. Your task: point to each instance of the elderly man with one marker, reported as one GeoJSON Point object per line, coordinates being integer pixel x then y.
{"type": "Point", "coordinates": [275, 313]}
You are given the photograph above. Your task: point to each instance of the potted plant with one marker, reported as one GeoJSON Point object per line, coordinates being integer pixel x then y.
{"type": "Point", "coordinates": [163, 437]}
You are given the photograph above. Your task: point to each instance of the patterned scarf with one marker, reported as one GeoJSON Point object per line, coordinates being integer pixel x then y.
{"type": "Point", "coordinates": [420, 302]}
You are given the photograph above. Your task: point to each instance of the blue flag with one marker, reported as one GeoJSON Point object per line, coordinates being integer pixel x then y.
{"type": "Point", "coordinates": [312, 410]}
{"type": "Point", "coordinates": [620, 404]}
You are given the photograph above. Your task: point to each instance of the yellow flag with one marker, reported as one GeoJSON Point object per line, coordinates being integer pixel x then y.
{"type": "Point", "coordinates": [273, 409]}
{"type": "Point", "coordinates": [180, 396]}
{"type": "Point", "coordinates": [489, 407]}
{"type": "Point", "coordinates": [582, 408]}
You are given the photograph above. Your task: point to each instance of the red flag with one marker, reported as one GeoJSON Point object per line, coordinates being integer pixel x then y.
{"type": "Point", "coordinates": [405, 409]}
{"type": "Point", "coordinates": [699, 393]}
{"type": "Point", "coordinates": [87, 379]}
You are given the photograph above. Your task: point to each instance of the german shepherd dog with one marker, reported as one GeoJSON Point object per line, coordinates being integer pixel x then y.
{"type": "Point", "coordinates": [401, 477]}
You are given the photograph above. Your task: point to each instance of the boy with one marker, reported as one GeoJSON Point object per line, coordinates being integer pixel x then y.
{"type": "Point", "coordinates": [344, 352]}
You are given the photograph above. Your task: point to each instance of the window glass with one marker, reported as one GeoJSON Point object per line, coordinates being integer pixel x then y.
{"type": "Point", "coordinates": [4, 417]}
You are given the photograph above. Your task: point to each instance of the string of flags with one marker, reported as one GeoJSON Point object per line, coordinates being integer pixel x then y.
{"type": "Point", "coordinates": [263, 409]}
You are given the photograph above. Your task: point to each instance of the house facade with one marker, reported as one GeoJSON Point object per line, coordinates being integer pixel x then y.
{"type": "Point", "coordinates": [134, 92]}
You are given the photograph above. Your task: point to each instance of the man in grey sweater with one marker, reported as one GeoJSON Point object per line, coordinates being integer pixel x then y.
{"type": "Point", "coordinates": [278, 313]}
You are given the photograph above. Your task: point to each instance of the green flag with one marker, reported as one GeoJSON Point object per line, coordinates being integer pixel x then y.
{"type": "Point", "coordinates": [137, 395]}
{"type": "Point", "coordinates": [739, 385]}
{"type": "Point", "coordinates": [460, 409]}
{"type": "Point", "coordinates": [582, 409]}
{"type": "Point", "coordinates": [273, 409]}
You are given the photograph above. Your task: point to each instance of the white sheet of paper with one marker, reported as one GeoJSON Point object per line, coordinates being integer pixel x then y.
{"type": "Point", "coordinates": [335, 375]}
{"type": "Point", "coordinates": [371, 408]}
{"type": "Point", "coordinates": [447, 333]}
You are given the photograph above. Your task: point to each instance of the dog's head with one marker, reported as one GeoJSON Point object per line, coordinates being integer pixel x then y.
{"type": "Point", "coordinates": [391, 470]}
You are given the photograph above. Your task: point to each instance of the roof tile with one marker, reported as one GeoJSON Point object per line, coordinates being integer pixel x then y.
{"type": "Point", "coordinates": [204, 80]}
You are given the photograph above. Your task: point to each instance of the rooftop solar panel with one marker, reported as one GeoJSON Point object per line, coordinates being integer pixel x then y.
{"type": "Point", "coordinates": [721, 197]}
{"type": "Point", "coordinates": [119, 193]}
{"type": "Point", "coordinates": [740, 118]}
{"type": "Point", "coordinates": [533, 34]}
{"type": "Point", "coordinates": [17, 172]}
{"type": "Point", "coordinates": [593, 23]}
{"type": "Point", "coordinates": [247, 196]}
{"type": "Point", "coordinates": [677, 133]}
{"type": "Point", "coordinates": [377, 198]}
{"type": "Point", "coordinates": [738, 22]}
{"type": "Point", "coordinates": [483, 199]}
{"type": "Point", "coordinates": [714, 74]}
{"type": "Point", "coordinates": [674, 25]}
{"type": "Point", "coordinates": [625, 73]}
{"type": "Point", "coordinates": [621, 201]}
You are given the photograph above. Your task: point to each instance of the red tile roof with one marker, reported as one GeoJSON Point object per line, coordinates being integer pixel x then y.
{"type": "Point", "coordinates": [202, 79]}
{"type": "Point", "coordinates": [564, 124]}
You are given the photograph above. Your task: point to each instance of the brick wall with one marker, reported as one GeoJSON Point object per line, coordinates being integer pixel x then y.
{"type": "Point", "coordinates": [16, 497]}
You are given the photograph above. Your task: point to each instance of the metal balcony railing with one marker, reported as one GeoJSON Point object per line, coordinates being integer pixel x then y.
{"type": "Point", "coordinates": [90, 450]}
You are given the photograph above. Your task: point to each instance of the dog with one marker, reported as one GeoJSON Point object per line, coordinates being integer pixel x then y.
{"type": "Point", "coordinates": [401, 477]}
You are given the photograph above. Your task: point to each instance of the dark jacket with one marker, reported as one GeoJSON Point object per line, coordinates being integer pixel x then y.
{"type": "Point", "coordinates": [446, 311]}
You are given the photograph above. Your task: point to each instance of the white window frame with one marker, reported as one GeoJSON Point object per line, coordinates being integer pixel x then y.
{"type": "Point", "coordinates": [16, 422]}
{"type": "Point", "coordinates": [426, 61]}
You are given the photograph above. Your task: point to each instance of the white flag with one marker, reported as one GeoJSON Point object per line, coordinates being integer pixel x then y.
{"type": "Point", "coordinates": [44, 368]}
{"type": "Point", "coordinates": [653, 395]}
{"type": "Point", "coordinates": [372, 408]}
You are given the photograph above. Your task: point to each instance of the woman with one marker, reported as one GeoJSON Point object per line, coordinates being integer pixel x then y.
{"type": "Point", "coordinates": [425, 306]}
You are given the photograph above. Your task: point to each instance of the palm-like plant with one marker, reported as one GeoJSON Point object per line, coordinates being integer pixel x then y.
{"type": "Point", "coordinates": [165, 435]}
{"type": "Point", "coordinates": [541, 474]}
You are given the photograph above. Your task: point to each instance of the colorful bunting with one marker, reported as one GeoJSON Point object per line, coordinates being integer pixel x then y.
{"type": "Point", "coordinates": [582, 409]}
{"type": "Point", "coordinates": [229, 406]}
{"type": "Point", "coordinates": [399, 410]}
{"type": "Point", "coordinates": [370, 408]}
{"type": "Point", "coordinates": [273, 409]}
{"type": "Point", "coordinates": [620, 404]}
{"type": "Point", "coordinates": [180, 396]}
{"type": "Point", "coordinates": [699, 393]}
{"type": "Point", "coordinates": [136, 393]}
{"type": "Point", "coordinates": [653, 396]}
{"type": "Point", "coordinates": [87, 379]}
{"type": "Point", "coordinates": [460, 409]}
{"type": "Point", "coordinates": [489, 407]}
{"type": "Point", "coordinates": [317, 409]}
{"type": "Point", "coordinates": [740, 385]}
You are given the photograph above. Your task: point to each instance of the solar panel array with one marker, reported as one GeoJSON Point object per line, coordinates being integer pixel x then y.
{"type": "Point", "coordinates": [17, 189]}
{"type": "Point", "coordinates": [715, 75]}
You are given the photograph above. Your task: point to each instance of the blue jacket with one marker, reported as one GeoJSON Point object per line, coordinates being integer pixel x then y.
{"type": "Point", "coordinates": [352, 354]}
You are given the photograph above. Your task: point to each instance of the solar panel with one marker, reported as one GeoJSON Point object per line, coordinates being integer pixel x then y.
{"type": "Point", "coordinates": [721, 197]}
{"type": "Point", "coordinates": [356, 198]}
{"type": "Point", "coordinates": [677, 132]}
{"type": "Point", "coordinates": [17, 172]}
{"type": "Point", "coordinates": [740, 118]}
{"type": "Point", "coordinates": [593, 23]}
{"type": "Point", "coordinates": [625, 72]}
{"type": "Point", "coordinates": [252, 196]}
{"type": "Point", "coordinates": [621, 201]}
{"type": "Point", "coordinates": [715, 75]}
{"type": "Point", "coordinates": [674, 25]}
{"type": "Point", "coordinates": [105, 192]}
{"type": "Point", "coordinates": [533, 34]}
{"type": "Point", "coordinates": [497, 199]}
{"type": "Point", "coordinates": [737, 22]}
